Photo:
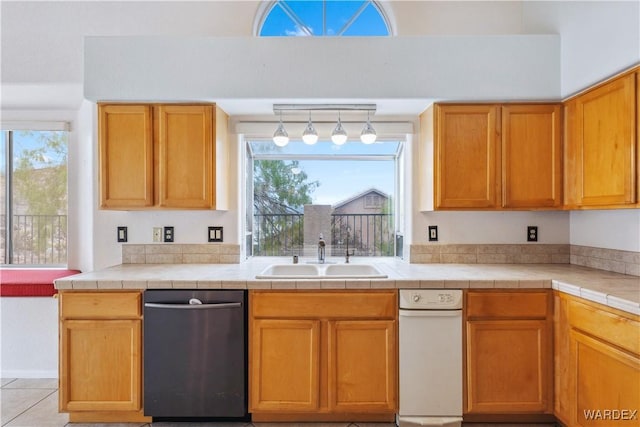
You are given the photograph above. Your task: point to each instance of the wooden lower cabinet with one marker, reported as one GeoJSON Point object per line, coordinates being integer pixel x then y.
{"type": "Point", "coordinates": [286, 362]}
{"type": "Point", "coordinates": [323, 356]}
{"type": "Point", "coordinates": [101, 356]}
{"type": "Point", "coordinates": [362, 360]}
{"type": "Point", "coordinates": [598, 367]}
{"type": "Point", "coordinates": [509, 355]}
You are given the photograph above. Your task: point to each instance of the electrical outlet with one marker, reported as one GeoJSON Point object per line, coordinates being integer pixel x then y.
{"type": "Point", "coordinates": [433, 233]}
{"type": "Point", "coordinates": [122, 234]}
{"type": "Point", "coordinates": [157, 234]}
{"type": "Point", "coordinates": [532, 233]}
{"type": "Point", "coordinates": [168, 234]}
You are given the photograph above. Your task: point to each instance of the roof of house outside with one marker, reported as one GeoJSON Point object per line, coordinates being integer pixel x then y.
{"type": "Point", "coordinates": [359, 195]}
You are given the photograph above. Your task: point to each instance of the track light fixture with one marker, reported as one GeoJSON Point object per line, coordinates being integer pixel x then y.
{"type": "Point", "coordinates": [368, 134]}
{"type": "Point", "coordinates": [338, 136]}
{"type": "Point", "coordinates": [280, 136]}
{"type": "Point", "coordinates": [310, 135]}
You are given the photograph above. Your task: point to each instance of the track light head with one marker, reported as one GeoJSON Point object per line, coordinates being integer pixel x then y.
{"type": "Point", "coordinates": [310, 135]}
{"type": "Point", "coordinates": [339, 135]}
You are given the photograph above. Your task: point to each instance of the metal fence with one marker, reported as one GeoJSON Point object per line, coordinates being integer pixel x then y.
{"type": "Point", "coordinates": [36, 240]}
{"type": "Point", "coordinates": [362, 234]}
{"type": "Point", "coordinates": [278, 234]}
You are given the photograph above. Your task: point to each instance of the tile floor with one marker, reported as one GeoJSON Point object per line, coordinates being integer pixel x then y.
{"type": "Point", "coordinates": [34, 403]}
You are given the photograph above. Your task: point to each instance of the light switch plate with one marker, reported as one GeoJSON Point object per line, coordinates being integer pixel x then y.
{"type": "Point", "coordinates": [214, 234]}
{"type": "Point", "coordinates": [433, 233]}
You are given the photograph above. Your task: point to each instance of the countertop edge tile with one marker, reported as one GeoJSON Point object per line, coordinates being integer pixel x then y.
{"type": "Point", "coordinates": [612, 289]}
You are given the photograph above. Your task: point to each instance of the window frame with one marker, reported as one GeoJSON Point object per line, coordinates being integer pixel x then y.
{"type": "Point", "coordinates": [9, 128]}
{"type": "Point", "coordinates": [266, 6]}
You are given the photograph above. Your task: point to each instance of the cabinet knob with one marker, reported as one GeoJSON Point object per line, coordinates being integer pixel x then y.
{"type": "Point", "coordinates": [416, 297]}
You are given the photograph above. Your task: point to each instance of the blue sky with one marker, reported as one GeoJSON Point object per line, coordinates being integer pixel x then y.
{"type": "Point", "coordinates": [285, 18]}
{"type": "Point", "coordinates": [341, 179]}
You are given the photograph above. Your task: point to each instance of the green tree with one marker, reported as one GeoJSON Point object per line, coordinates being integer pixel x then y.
{"type": "Point", "coordinates": [280, 191]}
{"type": "Point", "coordinates": [280, 187]}
{"type": "Point", "coordinates": [40, 193]}
{"type": "Point", "coordinates": [40, 174]}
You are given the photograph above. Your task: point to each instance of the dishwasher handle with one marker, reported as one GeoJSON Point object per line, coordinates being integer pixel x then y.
{"type": "Point", "coordinates": [430, 313]}
{"type": "Point", "coordinates": [192, 306]}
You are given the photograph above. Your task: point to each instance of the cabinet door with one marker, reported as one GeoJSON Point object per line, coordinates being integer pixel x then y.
{"type": "Point", "coordinates": [126, 156]}
{"type": "Point", "coordinates": [531, 156]}
{"type": "Point", "coordinates": [606, 144]}
{"type": "Point", "coordinates": [562, 394]}
{"type": "Point", "coordinates": [363, 366]}
{"type": "Point", "coordinates": [508, 367]}
{"type": "Point", "coordinates": [100, 365]}
{"type": "Point", "coordinates": [186, 156]}
{"type": "Point", "coordinates": [606, 383]}
{"type": "Point", "coordinates": [284, 368]}
{"type": "Point", "coordinates": [466, 153]}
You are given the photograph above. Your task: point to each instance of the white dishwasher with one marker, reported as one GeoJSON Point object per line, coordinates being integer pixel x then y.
{"type": "Point", "coordinates": [430, 357]}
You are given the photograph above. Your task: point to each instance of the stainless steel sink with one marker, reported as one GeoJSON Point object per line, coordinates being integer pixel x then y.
{"type": "Point", "coordinates": [320, 271]}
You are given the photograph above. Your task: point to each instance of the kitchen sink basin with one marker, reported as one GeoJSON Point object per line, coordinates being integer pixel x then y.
{"type": "Point", "coordinates": [354, 271]}
{"type": "Point", "coordinates": [289, 271]}
{"type": "Point", "coordinates": [320, 271]}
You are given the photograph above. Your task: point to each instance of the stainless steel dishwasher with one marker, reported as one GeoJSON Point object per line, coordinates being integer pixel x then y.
{"type": "Point", "coordinates": [195, 354]}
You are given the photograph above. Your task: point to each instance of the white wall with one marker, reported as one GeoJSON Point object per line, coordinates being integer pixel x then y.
{"type": "Point", "coordinates": [598, 38]}
{"type": "Point", "coordinates": [472, 227]}
{"type": "Point", "coordinates": [456, 67]}
{"type": "Point", "coordinates": [617, 229]}
{"type": "Point", "coordinates": [29, 337]}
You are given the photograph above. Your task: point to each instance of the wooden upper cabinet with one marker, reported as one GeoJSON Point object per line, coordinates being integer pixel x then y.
{"type": "Point", "coordinates": [160, 155]}
{"type": "Point", "coordinates": [186, 156]}
{"type": "Point", "coordinates": [126, 156]}
{"type": "Point", "coordinates": [531, 156]}
{"type": "Point", "coordinates": [601, 155]}
{"type": "Point", "coordinates": [466, 152]}
{"type": "Point", "coordinates": [490, 156]}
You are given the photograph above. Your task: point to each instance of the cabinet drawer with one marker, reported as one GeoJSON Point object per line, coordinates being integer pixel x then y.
{"type": "Point", "coordinates": [618, 330]}
{"type": "Point", "coordinates": [97, 305]}
{"type": "Point", "coordinates": [324, 305]}
{"type": "Point", "coordinates": [517, 304]}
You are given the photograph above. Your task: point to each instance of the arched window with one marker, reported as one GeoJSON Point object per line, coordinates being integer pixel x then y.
{"type": "Point", "coordinates": [323, 18]}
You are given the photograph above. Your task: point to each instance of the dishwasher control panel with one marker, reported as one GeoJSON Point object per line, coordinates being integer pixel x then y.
{"type": "Point", "coordinates": [431, 299]}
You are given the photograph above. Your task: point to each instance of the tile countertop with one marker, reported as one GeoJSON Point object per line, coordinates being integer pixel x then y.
{"type": "Point", "coordinates": [615, 290]}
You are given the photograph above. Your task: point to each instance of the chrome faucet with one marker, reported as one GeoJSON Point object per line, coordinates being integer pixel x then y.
{"type": "Point", "coordinates": [321, 246]}
{"type": "Point", "coordinates": [347, 254]}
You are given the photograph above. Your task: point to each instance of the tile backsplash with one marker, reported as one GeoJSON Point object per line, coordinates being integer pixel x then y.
{"type": "Point", "coordinates": [625, 262]}
{"type": "Point", "coordinates": [213, 253]}
{"type": "Point", "coordinates": [490, 254]}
